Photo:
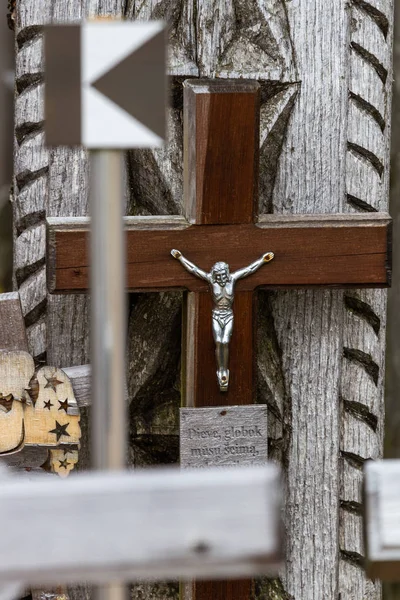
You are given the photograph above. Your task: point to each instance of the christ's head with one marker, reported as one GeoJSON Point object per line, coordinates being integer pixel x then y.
{"type": "Point", "coordinates": [220, 273]}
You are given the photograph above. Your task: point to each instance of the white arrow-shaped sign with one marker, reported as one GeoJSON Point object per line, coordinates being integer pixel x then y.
{"type": "Point", "coordinates": [105, 84]}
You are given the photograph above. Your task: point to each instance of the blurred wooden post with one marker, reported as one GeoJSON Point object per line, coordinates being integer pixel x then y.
{"type": "Point", "coordinates": [382, 519]}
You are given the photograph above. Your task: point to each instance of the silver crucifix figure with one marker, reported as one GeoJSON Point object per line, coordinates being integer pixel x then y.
{"type": "Point", "coordinates": [222, 285]}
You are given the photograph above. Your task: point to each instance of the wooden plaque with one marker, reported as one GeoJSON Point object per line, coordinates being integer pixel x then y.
{"type": "Point", "coordinates": [223, 436]}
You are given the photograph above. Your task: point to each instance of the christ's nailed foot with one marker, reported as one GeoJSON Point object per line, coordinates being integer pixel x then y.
{"type": "Point", "coordinates": [176, 253]}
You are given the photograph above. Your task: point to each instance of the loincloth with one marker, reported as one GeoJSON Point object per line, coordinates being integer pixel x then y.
{"type": "Point", "coordinates": [223, 316]}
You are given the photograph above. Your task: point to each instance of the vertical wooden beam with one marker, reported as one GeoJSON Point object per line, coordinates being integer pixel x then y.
{"type": "Point", "coordinates": [13, 337]}
{"type": "Point", "coordinates": [220, 185]}
{"type": "Point", "coordinates": [201, 387]}
{"type": "Point", "coordinates": [221, 131]}
{"type": "Point", "coordinates": [12, 324]}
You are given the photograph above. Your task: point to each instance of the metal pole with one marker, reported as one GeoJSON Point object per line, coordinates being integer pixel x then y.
{"type": "Point", "coordinates": [108, 321]}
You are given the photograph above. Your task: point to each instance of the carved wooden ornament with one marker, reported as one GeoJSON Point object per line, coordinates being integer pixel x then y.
{"type": "Point", "coordinates": [37, 409]}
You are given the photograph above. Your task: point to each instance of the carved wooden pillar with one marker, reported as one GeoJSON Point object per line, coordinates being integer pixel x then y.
{"type": "Point", "coordinates": [325, 74]}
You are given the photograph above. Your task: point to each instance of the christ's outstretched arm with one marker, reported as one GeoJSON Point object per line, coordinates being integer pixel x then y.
{"type": "Point", "coordinates": [253, 267]}
{"type": "Point", "coordinates": [189, 266]}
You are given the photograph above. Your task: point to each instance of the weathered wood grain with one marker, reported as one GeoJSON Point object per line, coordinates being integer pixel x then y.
{"type": "Point", "coordinates": [364, 333]}
{"type": "Point", "coordinates": [392, 424]}
{"type": "Point", "coordinates": [17, 369]}
{"type": "Point", "coordinates": [80, 378]}
{"type": "Point", "coordinates": [35, 409]}
{"type": "Point", "coordinates": [350, 251]}
{"type": "Point", "coordinates": [219, 116]}
{"type": "Point", "coordinates": [156, 187]}
{"type": "Point", "coordinates": [200, 386]}
{"type": "Point", "coordinates": [291, 47]}
{"type": "Point", "coordinates": [12, 326]}
{"type": "Point", "coordinates": [184, 522]}
{"type": "Point", "coordinates": [245, 39]}
{"type": "Point", "coordinates": [321, 178]}
{"type": "Point", "coordinates": [13, 338]}
{"type": "Point", "coordinates": [223, 436]}
{"type": "Point", "coordinates": [381, 519]}
{"type": "Point", "coordinates": [57, 328]}
{"type": "Point", "coordinates": [221, 125]}
{"type": "Point", "coordinates": [28, 459]}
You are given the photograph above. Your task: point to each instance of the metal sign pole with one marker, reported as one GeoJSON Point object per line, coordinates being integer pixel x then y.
{"type": "Point", "coordinates": [108, 320]}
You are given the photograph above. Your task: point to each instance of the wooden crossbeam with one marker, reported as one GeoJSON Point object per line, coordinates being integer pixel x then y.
{"type": "Point", "coordinates": [382, 519]}
{"type": "Point", "coordinates": [165, 524]}
{"type": "Point", "coordinates": [310, 250]}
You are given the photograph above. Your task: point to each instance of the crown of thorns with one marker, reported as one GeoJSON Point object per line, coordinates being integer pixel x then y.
{"type": "Point", "coordinates": [220, 267]}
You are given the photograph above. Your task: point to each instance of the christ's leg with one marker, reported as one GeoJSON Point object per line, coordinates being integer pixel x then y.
{"type": "Point", "coordinates": [222, 337]}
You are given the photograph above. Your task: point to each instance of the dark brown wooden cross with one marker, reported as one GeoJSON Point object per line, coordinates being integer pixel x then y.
{"type": "Point", "coordinates": [221, 222]}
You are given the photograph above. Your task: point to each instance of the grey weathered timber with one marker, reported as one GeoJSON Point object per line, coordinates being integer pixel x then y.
{"type": "Point", "coordinates": [364, 333]}
{"type": "Point", "coordinates": [51, 182]}
{"type": "Point", "coordinates": [13, 337]}
{"type": "Point", "coordinates": [382, 519]}
{"type": "Point", "coordinates": [332, 343]}
{"type": "Point", "coordinates": [80, 378]}
{"type": "Point", "coordinates": [163, 523]}
{"type": "Point", "coordinates": [12, 326]}
{"type": "Point", "coordinates": [223, 436]}
{"type": "Point", "coordinates": [321, 353]}
{"type": "Point", "coordinates": [392, 424]}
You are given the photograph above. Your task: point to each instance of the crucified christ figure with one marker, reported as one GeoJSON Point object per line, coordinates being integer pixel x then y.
{"type": "Point", "coordinates": [222, 284]}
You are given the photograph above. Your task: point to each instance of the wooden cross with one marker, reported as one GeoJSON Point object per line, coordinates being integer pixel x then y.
{"type": "Point", "coordinates": [221, 222]}
{"type": "Point", "coordinates": [382, 519]}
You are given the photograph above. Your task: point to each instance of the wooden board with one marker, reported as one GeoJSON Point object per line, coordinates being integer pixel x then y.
{"type": "Point", "coordinates": [35, 410]}
{"type": "Point", "coordinates": [382, 519]}
{"type": "Point", "coordinates": [54, 418]}
{"type": "Point", "coordinates": [17, 370]}
{"type": "Point", "coordinates": [223, 436]}
{"type": "Point", "coordinates": [220, 157]}
{"type": "Point", "coordinates": [335, 251]}
{"type": "Point", "coordinates": [12, 325]}
{"type": "Point", "coordinates": [221, 123]}
{"type": "Point", "coordinates": [30, 457]}
{"type": "Point", "coordinates": [80, 378]}
{"type": "Point", "coordinates": [188, 524]}
{"type": "Point", "coordinates": [199, 370]}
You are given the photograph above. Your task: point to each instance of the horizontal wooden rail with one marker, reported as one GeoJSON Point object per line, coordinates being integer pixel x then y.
{"type": "Point", "coordinates": [310, 250]}
{"type": "Point", "coordinates": [164, 524]}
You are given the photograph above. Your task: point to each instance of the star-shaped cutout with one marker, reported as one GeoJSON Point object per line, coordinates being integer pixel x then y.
{"type": "Point", "coordinates": [52, 383]}
{"type": "Point", "coordinates": [64, 463]}
{"type": "Point", "coordinates": [60, 430]}
{"type": "Point", "coordinates": [64, 405]}
{"type": "Point", "coordinates": [48, 404]}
